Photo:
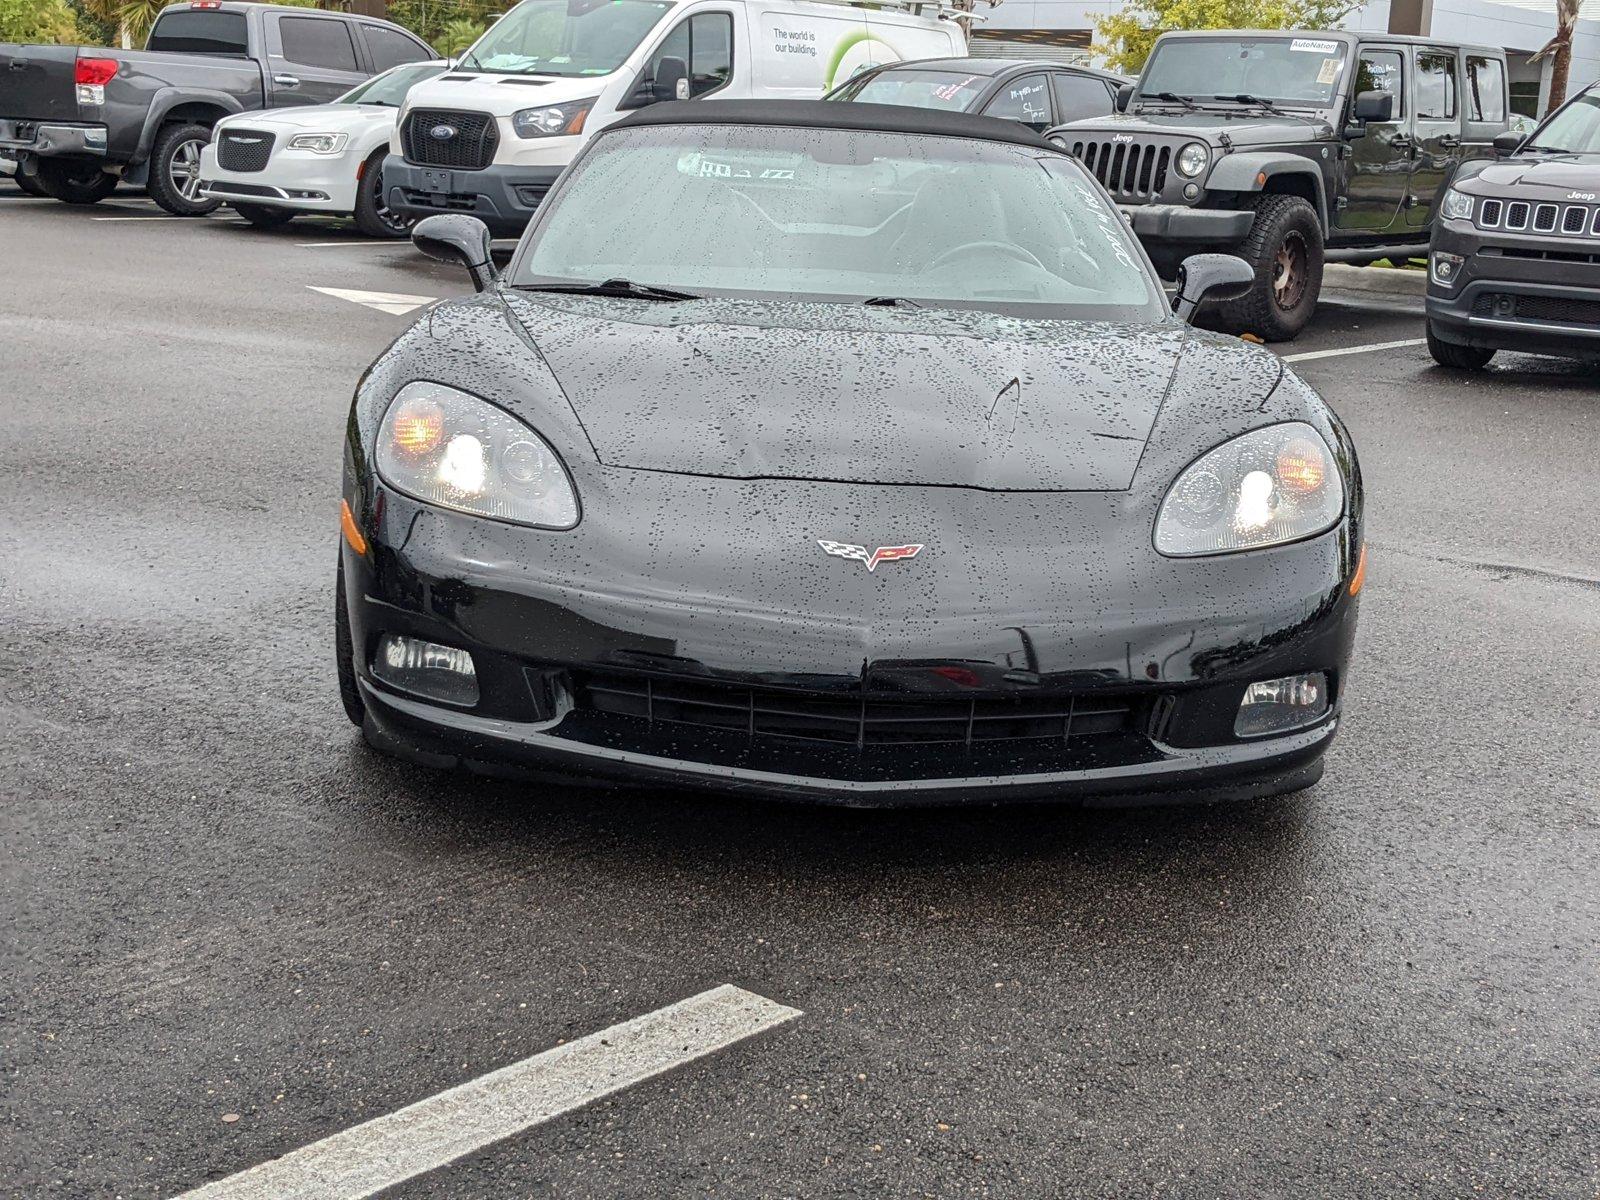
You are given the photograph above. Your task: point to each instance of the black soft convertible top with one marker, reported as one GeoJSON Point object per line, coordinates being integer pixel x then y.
{"type": "Point", "coordinates": [836, 114]}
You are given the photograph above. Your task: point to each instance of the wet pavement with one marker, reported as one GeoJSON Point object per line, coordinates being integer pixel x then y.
{"type": "Point", "coordinates": [221, 905]}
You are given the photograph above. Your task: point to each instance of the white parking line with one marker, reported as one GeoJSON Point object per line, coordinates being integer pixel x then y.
{"type": "Point", "coordinates": [1311, 354]}
{"type": "Point", "coordinates": [395, 303]}
{"type": "Point", "coordinates": [388, 1150]}
{"type": "Point", "coordinates": [212, 217]}
{"type": "Point", "coordinates": [393, 244]}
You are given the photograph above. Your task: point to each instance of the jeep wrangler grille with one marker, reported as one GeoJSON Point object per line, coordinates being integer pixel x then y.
{"type": "Point", "coordinates": [1128, 170]}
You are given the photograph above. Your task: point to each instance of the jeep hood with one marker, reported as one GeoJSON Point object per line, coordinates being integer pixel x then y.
{"type": "Point", "coordinates": [1563, 174]}
{"type": "Point", "coordinates": [1245, 129]}
{"type": "Point", "coordinates": [747, 389]}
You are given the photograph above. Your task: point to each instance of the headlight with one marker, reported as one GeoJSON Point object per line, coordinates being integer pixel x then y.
{"type": "Point", "coordinates": [1192, 159]}
{"type": "Point", "coordinates": [553, 119]}
{"type": "Point", "coordinates": [318, 143]}
{"type": "Point", "coordinates": [1456, 206]}
{"type": "Point", "coordinates": [1263, 488]}
{"type": "Point", "coordinates": [454, 450]}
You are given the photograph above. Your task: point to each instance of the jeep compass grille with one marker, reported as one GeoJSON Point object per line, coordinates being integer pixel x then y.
{"type": "Point", "coordinates": [1128, 170]}
{"type": "Point", "coordinates": [1518, 216]}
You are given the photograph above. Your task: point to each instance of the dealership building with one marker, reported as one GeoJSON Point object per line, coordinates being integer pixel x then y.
{"type": "Point", "coordinates": [1064, 29]}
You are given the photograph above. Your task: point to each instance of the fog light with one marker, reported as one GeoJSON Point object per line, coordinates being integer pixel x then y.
{"type": "Point", "coordinates": [1191, 191]}
{"type": "Point", "coordinates": [1446, 267]}
{"type": "Point", "coordinates": [1279, 705]}
{"type": "Point", "coordinates": [426, 668]}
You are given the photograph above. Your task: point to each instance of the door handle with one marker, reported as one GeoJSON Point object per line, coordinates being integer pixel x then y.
{"type": "Point", "coordinates": [1449, 142]}
{"type": "Point", "coordinates": [286, 81]}
{"type": "Point", "coordinates": [1401, 142]}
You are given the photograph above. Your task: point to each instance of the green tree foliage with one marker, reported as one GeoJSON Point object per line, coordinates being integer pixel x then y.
{"type": "Point", "coordinates": [443, 23]}
{"type": "Point", "coordinates": [40, 21]}
{"type": "Point", "coordinates": [93, 30]}
{"type": "Point", "coordinates": [457, 35]}
{"type": "Point", "coordinates": [1124, 37]}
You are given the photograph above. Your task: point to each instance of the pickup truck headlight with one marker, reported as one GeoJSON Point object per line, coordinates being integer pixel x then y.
{"type": "Point", "coordinates": [1456, 206]}
{"type": "Point", "coordinates": [318, 143]}
{"type": "Point", "coordinates": [1192, 160]}
{"type": "Point", "coordinates": [1264, 488]}
{"type": "Point", "coordinates": [448, 448]}
{"type": "Point", "coordinates": [553, 120]}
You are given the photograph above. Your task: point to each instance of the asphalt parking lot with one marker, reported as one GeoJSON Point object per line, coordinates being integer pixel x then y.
{"type": "Point", "coordinates": [234, 932]}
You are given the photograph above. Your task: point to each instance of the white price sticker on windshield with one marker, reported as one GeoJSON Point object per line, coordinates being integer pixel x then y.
{"type": "Point", "coordinates": [1307, 46]}
{"type": "Point", "coordinates": [1329, 72]}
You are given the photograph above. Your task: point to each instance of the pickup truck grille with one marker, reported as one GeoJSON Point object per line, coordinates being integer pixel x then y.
{"type": "Point", "coordinates": [1521, 216]}
{"type": "Point", "coordinates": [244, 150]}
{"type": "Point", "coordinates": [1129, 171]}
{"type": "Point", "coordinates": [469, 145]}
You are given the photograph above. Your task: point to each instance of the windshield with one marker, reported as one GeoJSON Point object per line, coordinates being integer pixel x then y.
{"type": "Point", "coordinates": [842, 216]}
{"type": "Point", "coordinates": [564, 37]}
{"type": "Point", "coordinates": [913, 88]}
{"type": "Point", "coordinates": [1293, 71]}
{"type": "Point", "coordinates": [1573, 130]}
{"type": "Point", "coordinates": [391, 87]}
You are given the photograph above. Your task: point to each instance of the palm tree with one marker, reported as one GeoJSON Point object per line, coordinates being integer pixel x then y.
{"type": "Point", "coordinates": [1559, 48]}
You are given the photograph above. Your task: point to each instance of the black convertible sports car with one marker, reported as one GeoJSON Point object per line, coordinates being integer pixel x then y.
{"type": "Point", "coordinates": [849, 452]}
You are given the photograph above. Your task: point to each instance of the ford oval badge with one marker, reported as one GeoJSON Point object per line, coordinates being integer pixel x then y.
{"type": "Point", "coordinates": [442, 133]}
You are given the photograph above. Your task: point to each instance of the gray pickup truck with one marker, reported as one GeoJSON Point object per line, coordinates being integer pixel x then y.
{"type": "Point", "coordinates": [77, 120]}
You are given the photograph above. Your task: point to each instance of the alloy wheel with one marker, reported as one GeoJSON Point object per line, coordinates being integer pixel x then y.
{"type": "Point", "coordinates": [183, 170]}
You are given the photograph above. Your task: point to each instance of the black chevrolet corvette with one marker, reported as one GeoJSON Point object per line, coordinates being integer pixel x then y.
{"type": "Point", "coordinates": [845, 452]}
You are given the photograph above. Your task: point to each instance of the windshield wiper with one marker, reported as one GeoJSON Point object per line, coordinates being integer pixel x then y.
{"type": "Point", "coordinates": [625, 288]}
{"type": "Point", "coordinates": [1246, 98]}
{"type": "Point", "coordinates": [1172, 98]}
{"type": "Point", "coordinates": [891, 302]}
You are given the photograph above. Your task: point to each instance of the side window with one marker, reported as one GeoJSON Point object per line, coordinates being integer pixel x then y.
{"type": "Point", "coordinates": [1383, 71]}
{"type": "Point", "coordinates": [390, 48]}
{"type": "Point", "coordinates": [1436, 86]}
{"type": "Point", "coordinates": [1026, 100]}
{"type": "Point", "coordinates": [1079, 96]}
{"type": "Point", "coordinates": [705, 42]}
{"type": "Point", "coordinates": [318, 42]}
{"type": "Point", "coordinates": [1486, 89]}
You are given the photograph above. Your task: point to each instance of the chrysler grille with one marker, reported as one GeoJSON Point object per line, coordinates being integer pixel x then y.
{"type": "Point", "coordinates": [244, 150]}
{"type": "Point", "coordinates": [470, 148]}
{"type": "Point", "coordinates": [1127, 170]}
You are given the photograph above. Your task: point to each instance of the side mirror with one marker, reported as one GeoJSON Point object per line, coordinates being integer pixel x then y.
{"type": "Point", "coordinates": [671, 79]}
{"type": "Point", "coordinates": [1218, 276]}
{"type": "Point", "coordinates": [461, 241]}
{"type": "Point", "coordinates": [1506, 144]}
{"type": "Point", "coordinates": [1124, 95]}
{"type": "Point", "coordinates": [1374, 106]}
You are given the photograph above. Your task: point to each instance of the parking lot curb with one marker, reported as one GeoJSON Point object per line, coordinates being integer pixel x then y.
{"type": "Point", "coordinates": [1391, 281]}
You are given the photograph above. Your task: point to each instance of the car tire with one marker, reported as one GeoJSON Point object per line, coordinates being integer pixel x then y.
{"type": "Point", "coordinates": [1284, 247]}
{"type": "Point", "coordinates": [1461, 358]}
{"type": "Point", "coordinates": [374, 217]}
{"type": "Point", "coordinates": [345, 652]}
{"type": "Point", "coordinates": [264, 216]}
{"type": "Point", "coordinates": [175, 171]}
{"type": "Point", "coordinates": [29, 185]}
{"type": "Point", "coordinates": [73, 181]}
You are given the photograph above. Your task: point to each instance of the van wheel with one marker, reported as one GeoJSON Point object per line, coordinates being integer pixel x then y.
{"type": "Point", "coordinates": [1450, 354]}
{"type": "Point", "coordinates": [264, 216]}
{"type": "Point", "coordinates": [175, 171]}
{"type": "Point", "coordinates": [1284, 247]}
{"type": "Point", "coordinates": [75, 181]}
{"type": "Point", "coordinates": [374, 217]}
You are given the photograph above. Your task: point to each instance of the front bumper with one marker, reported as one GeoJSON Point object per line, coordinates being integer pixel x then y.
{"type": "Point", "coordinates": [53, 140]}
{"type": "Point", "coordinates": [1180, 223]}
{"type": "Point", "coordinates": [291, 179]}
{"type": "Point", "coordinates": [503, 197]}
{"type": "Point", "coordinates": [1535, 293]}
{"type": "Point", "coordinates": [1146, 700]}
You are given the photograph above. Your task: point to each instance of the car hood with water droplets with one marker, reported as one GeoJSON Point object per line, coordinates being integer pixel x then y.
{"type": "Point", "coordinates": [749, 390]}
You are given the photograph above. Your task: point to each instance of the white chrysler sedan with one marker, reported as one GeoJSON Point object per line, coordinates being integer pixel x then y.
{"type": "Point", "coordinates": [269, 166]}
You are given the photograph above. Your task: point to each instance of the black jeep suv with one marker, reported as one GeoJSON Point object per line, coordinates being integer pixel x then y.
{"type": "Point", "coordinates": [1291, 148]}
{"type": "Point", "coordinates": [1515, 261]}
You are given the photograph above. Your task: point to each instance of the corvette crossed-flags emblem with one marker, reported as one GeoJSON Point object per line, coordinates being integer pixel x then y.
{"type": "Point", "coordinates": [871, 557]}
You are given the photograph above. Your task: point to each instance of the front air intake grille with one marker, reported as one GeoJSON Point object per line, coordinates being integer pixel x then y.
{"type": "Point", "coordinates": [1128, 170]}
{"type": "Point", "coordinates": [1544, 218]}
{"type": "Point", "coordinates": [244, 150]}
{"type": "Point", "coordinates": [1517, 215]}
{"type": "Point", "coordinates": [433, 137]}
{"type": "Point", "coordinates": [1575, 219]}
{"type": "Point", "coordinates": [1548, 310]}
{"type": "Point", "coordinates": [853, 717]}
{"type": "Point", "coordinates": [1490, 215]}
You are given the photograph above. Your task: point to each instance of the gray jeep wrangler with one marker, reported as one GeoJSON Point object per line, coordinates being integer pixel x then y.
{"type": "Point", "coordinates": [1289, 149]}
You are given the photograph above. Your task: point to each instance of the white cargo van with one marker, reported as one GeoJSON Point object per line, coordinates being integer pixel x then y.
{"type": "Point", "coordinates": [490, 137]}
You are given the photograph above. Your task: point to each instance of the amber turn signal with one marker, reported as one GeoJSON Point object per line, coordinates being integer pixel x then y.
{"type": "Point", "coordinates": [1301, 467]}
{"type": "Point", "coordinates": [352, 533]}
{"type": "Point", "coordinates": [418, 427]}
{"type": "Point", "coordinates": [1360, 577]}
